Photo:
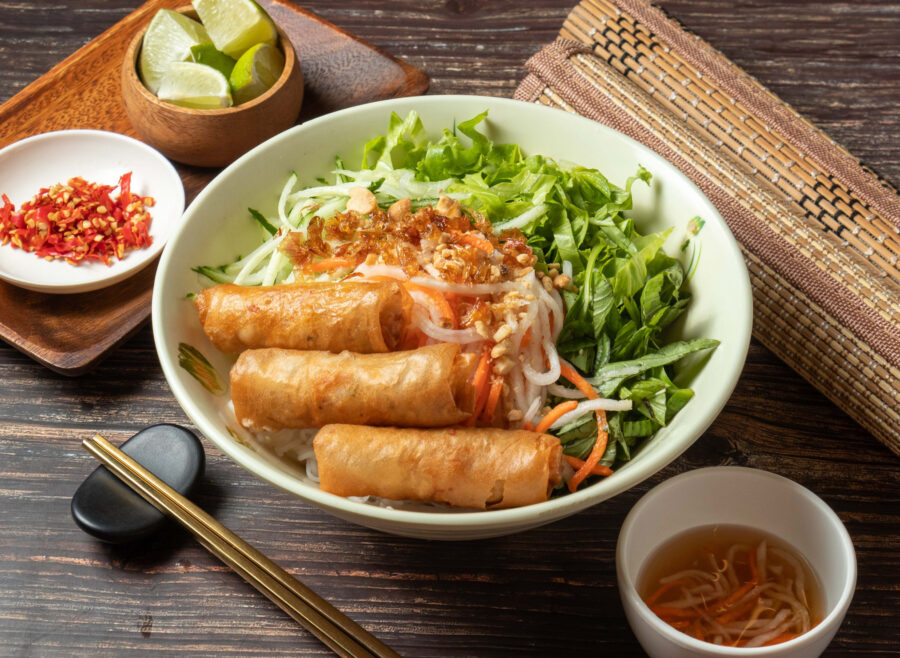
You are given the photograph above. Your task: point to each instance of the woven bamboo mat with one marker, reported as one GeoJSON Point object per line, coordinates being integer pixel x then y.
{"type": "Point", "coordinates": [819, 232]}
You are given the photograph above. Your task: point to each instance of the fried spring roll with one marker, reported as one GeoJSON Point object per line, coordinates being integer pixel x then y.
{"type": "Point", "coordinates": [463, 466]}
{"type": "Point", "coordinates": [364, 317]}
{"type": "Point", "coordinates": [274, 388]}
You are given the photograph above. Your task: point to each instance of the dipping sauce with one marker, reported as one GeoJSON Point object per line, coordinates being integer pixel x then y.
{"type": "Point", "coordinates": [733, 586]}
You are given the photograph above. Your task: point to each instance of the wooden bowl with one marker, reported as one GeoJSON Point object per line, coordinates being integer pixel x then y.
{"type": "Point", "coordinates": [211, 138]}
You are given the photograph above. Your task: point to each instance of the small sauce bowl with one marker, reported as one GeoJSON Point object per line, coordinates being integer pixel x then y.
{"type": "Point", "coordinates": [730, 495]}
{"type": "Point", "coordinates": [211, 138]}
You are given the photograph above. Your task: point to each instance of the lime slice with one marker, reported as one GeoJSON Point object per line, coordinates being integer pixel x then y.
{"type": "Point", "coordinates": [194, 85]}
{"type": "Point", "coordinates": [235, 25]}
{"type": "Point", "coordinates": [256, 70]}
{"type": "Point", "coordinates": [168, 39]}
{"type": "Point", "coordinates": [207, 53]}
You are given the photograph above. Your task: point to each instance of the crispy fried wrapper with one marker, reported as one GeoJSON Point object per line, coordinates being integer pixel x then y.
{"type": "Point", "coordinates": [478, 467]}
{"type": "Point", "coordinates": [359, 316]}
{"type": "Point", "coordinates": [274, 389]}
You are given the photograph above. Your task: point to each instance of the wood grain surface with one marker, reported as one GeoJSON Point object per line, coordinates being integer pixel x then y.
{"type": "Point", "coordinates": [550, 591]}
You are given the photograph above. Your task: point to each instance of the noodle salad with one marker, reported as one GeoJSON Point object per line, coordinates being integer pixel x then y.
{"type": "Point", "coordinates": [527, 263]}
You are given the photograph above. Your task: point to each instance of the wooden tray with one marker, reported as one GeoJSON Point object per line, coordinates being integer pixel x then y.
{"type": "Point", "coordinates": [72, 333]}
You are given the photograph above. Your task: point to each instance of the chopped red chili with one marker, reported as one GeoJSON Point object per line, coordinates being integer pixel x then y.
{"type": "Point", "coordinates": [79, 221]}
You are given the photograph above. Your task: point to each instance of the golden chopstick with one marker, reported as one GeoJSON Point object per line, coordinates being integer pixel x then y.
{"type": "Point", "coordinates": [340, 633]}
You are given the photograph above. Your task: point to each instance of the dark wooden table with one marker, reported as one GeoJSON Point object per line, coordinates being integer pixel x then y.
{"type": "Point", "coordinates": [550, 591]}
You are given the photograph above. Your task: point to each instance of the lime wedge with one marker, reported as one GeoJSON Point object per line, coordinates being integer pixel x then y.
{"type": "Point", "coordinates": [256, 70]}
{"type": "Point", "coordinates": [168, 39]}
{"type": "Point", "coordinates": [207, 53]}
{"type": "Point", "coordinates": [235, 25]}
{"type": "Point", "coordinates": [194, 85]}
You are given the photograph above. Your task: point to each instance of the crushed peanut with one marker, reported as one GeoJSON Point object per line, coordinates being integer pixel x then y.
{"type": "Point", "coordinates": [448, 207]}
{"type": "Point", "coordinates": [503, 333]}
{"type": "Point", "coordinates": [400, 209]}
{"type": "Point", "coordinates": [362, 200]}
{"type": "Point", "coordinates": [562, 281]}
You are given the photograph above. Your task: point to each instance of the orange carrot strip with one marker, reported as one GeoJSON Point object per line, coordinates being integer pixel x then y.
{"type": "Point", "coordinates": [596, 453]}
{"type": "Point", "coordinates": [599, 469]}
{"type": "Point", "coordinates": [754, 572]}
{"type": "Point", "coordinates": [480, 382]}
{"type": "Point", "coordinates": [381, 277]}
{"type": "Point", "coordinates": [441, 301]}
{"type": "Point", "coordinates": [554, 414]}
{"type": "Point", "coordinates": [737, 612]}
{"type": "Point", "coordinates": [738, 593]}
{"type": "Point", "coordinates": [493, 397]}
{"type": "Point", "coordinates": [526, 338]}
{"type": "Point", "coordinates": [528, 426]}
{"type": "Point", "coordinates": [580, 382]}
{"type": "Point", "coordinates": [664, 611]}
{"type": "Point", "coordinates": [329, 264]}
{"type": "Point", "coordinates": [778, 639]}
{"type": "Point", "coordinates": [653, 598]}
{"type": "Point", "coordinates": [697, 630]}
{"type": "Point", "coordinates": [475, 241]}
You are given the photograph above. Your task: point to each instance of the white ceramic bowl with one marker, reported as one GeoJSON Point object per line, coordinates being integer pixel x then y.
{"type": "Point", "coordinates": [99, 157]}
{"type": "Point", "coordinates": [217, 222]}
{"type": "Point", "coordinates": [732, 495]}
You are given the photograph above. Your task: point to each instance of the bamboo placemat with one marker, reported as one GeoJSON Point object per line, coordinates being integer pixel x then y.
{"type": "Point", "coordinates": [819, 232]}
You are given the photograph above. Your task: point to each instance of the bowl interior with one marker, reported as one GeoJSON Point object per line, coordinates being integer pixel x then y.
{"type": "Point", "coordinates": [217, 228]}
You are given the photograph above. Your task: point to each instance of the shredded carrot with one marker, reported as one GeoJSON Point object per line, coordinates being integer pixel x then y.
{"type": "Point", "coordinates": [738, 593]}
{"type": "Point", "coordinates": [753, 569]}
{"type": "Point", "coordinates": [329, 264]}
{"type": "Point", "coordinates": [737, 612]}
{"type": "Point", "coordinates": [554, 414]}
{"type": "Point", "coordinates": [664, 611]}
{"type": "Point", "coordinates": [526, 338]}
{"type": "Point", "coordinates": [680, 625]}
{"type": "Point", "coordinates": [480, 383]}
{"type": "Point", "coordinates": [778, 639]}
{"type": "Point", "coordinates": [596, 453]}
{"type": "Point", "coordinates": [493, 397]}
{"type": "Point", "coordinates": [381, 277]}
{"type": "Point", "coordinates": [698, 630]}
{"type": "Point", "coordinates": [441, 301]}
{"type": "Point", "coordinates": [580, 382]}
{"type": "Point", "coordinates": [528, 426]}
{"type": "Point", "coordinates": [653, 598]}
{"type": "Point", "coordinates": [475, 241]}
{"type": "Point", "coordinates": [599, 469]}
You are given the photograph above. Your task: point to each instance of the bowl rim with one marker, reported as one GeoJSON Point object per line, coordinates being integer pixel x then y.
{"type": "Point", "coordinates": [173, 187]}
{"type": "Point", "coordinates": [828, 625]}
{"type": "Point", "coordinates": [536, 514]}
{"type": "Point", "coordinates": [130, 68]}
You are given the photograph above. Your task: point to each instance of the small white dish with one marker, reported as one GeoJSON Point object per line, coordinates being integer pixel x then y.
{"type": "Point", "coordinates": [732, 495]}
{"type": "Point", "coordinates": [99, 157]}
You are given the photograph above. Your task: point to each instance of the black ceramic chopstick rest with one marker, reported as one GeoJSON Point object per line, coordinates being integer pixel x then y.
{"type": "Point", "coordinates": [108, 509]}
